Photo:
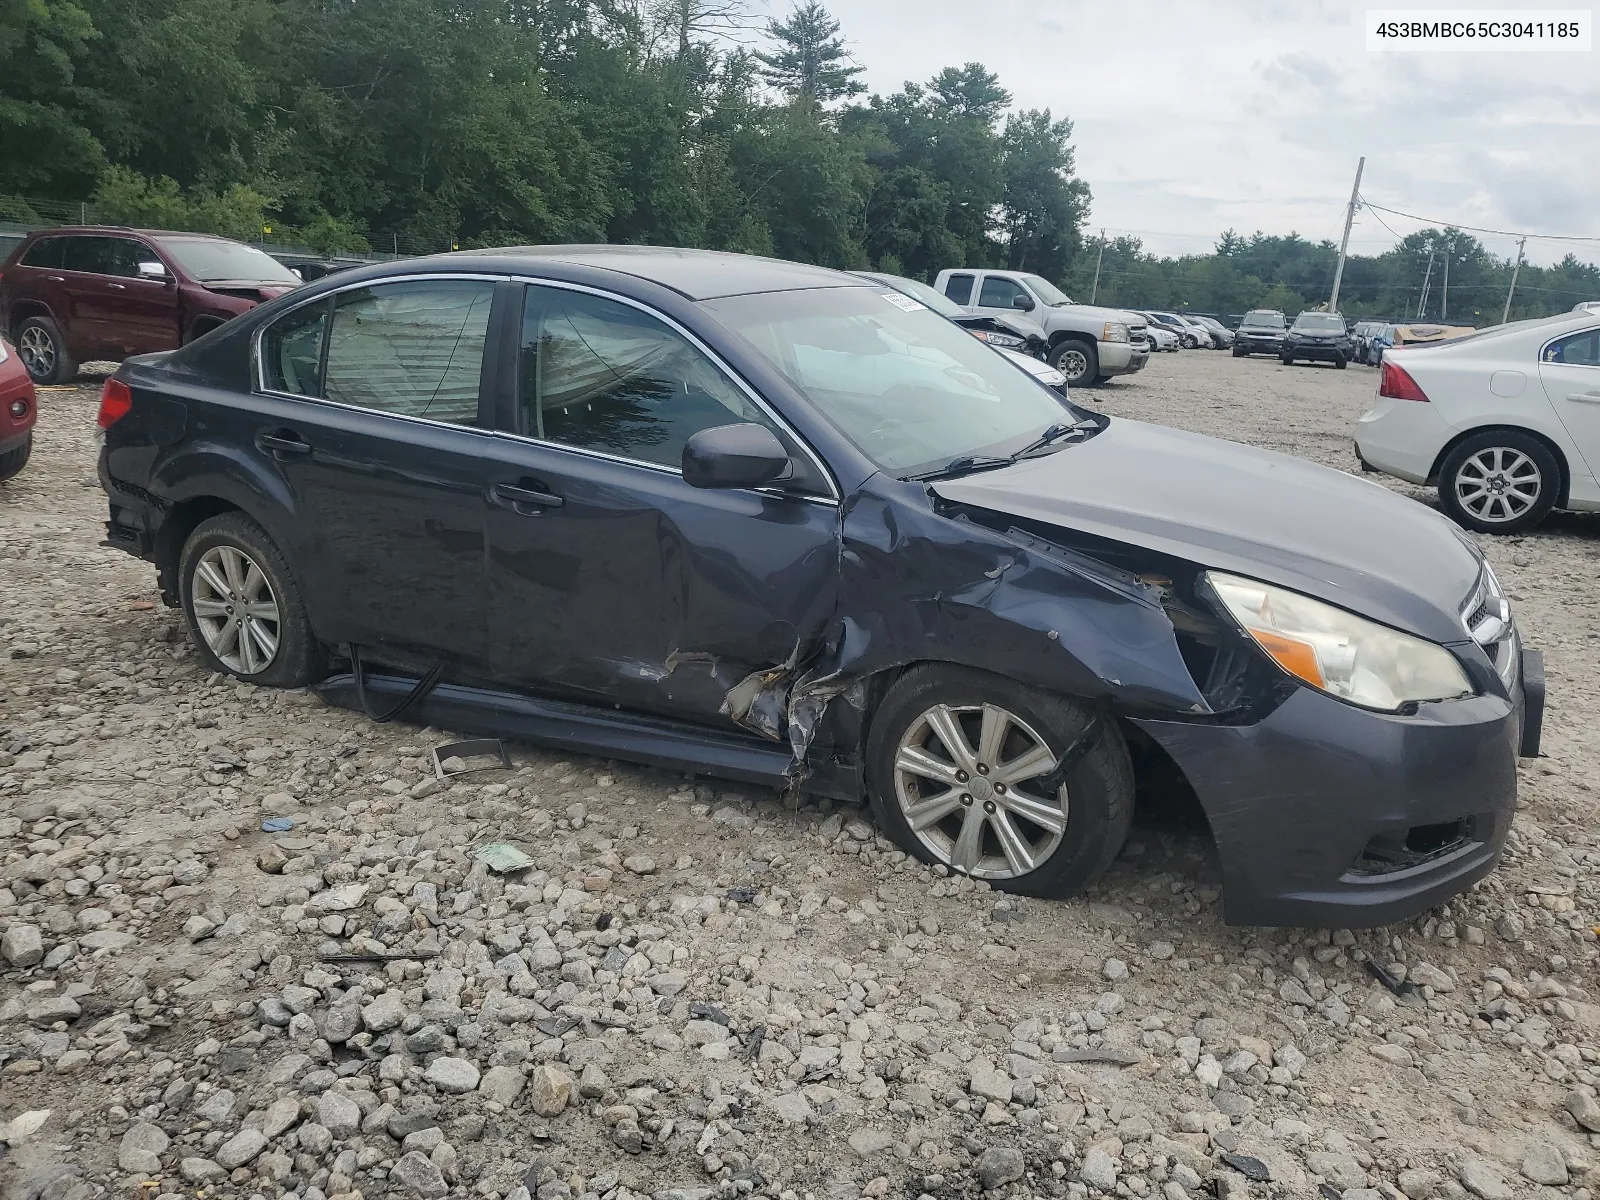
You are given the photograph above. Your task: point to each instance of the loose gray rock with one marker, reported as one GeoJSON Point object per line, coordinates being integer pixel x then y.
{"type": "Point", "coordinates": [141, 1149]}
{"type": "Point", "coordinates": [502, 1084]}
{"type": "Point", "coordinates": [1585, 1111]}
{"type": "Point", "coordinates": [1483, 1181]}
{"type": "Point", "coordinates": [339, 1024]}
{"type": "Point", "coordinates": [22, 946]}
{"type": "Point", "coordinates": [791, 1107]}
{"type": "Point", "coordinates": [281, 1116]}
{"type": "Point", "coordinates": [1543, 1164]}
{"type": "Point", "coordinates": [1099, 1170]}
{"type": "Point", "coordinates": [1001, 1165]}
{"type": "Point", "coordinates": [384, 1013]}
{"type": "Point", "coordinates": [338, 1114]}
{"type": "Point", "coordinates": [419, 1175]}
{"type": "Point", "coordinates": [869, 1143]}
{"type": "Point", "coordinates": [455, 1075]}
{"type": "Point", "coordinates": [241, 1148]}
{"type": "Point", "coordinates": [1418, 1183]}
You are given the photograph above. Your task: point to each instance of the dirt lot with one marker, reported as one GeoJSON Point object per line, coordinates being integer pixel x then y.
{"type": "Point", "coordinates": [698, 991]}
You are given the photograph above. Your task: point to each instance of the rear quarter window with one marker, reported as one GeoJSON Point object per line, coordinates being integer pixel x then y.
{"type": "Point", "coordinates": [46, 252]}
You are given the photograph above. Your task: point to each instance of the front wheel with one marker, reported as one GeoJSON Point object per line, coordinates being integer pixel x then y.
{"type": "Point", "coordinates": [1238, 351]}
{"type": "Point", "coordinates": [12, 461]}
{"type": "Point", "coordinates": [1078, 361]}
{"type": "Point", "coordinates": [1029, 791]}
{"type": "Point", "coordinates": [1501, 481]}
{"type": "Point", "coordinates": [244, 608]}
{"type": "Point", "coordinates": [1341, 362]}
{"type": "Point", "coordinates": [44, 352]}
{"type": "Point", "coordinates": [1286, 360]}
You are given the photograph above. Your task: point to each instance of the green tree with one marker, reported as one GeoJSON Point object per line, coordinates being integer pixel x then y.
{"type": "Point", "coordinates": [810, 64]}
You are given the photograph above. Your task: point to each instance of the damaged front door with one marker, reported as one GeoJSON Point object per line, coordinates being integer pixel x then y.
{"type": "Point", "coordinates": [613, 580]}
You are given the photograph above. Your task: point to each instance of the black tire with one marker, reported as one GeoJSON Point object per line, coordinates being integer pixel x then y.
{"type": "Point", "coordinates": [1238, 351]}
{"type": "Point", "coordinates": [1082, 358]}
{"type": "Point", "coordinates": [58, 366]}
{"type": "Point", "coordinates": [12, 461]}
{"type": "Point", "coordinates": [1286, 360]}
{"type": "Point", "coordinates": [1098, 781]}
{"type": "Point", "coordinates": [1341, 362]}
{"type": "Point", "coordinates": [299, 658]}
{"type": "Point", "coordinates": [1514, 442]}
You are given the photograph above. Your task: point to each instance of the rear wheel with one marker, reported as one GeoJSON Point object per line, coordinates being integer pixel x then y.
{"type": "Point", "coordinates": [1027, 790]}
{"type": "Point", "coordinates": [1500, 481]}
{"type": "Point", "coordinates": [1238, 351]}
{"type": "Point", "coordinates": [12, 461]}
{"type": "Point", "coordinates": [1286, 359]}
{"type": "Point", "coordinates": [1078, 361]}
{"type": "Point", "coordinates": [44, 351]}
{"type": "Point", "coordinates": [244, 607]}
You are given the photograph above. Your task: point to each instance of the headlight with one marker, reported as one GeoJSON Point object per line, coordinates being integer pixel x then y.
{"type": "Point", "coordinates": [2, 352]}
{"type": "Point", "coordinates": [1340, 653]}
{"type": "Point", "coordinates": [1116, 331]}
{"type": "Point", "coordinates": [1004, 340]}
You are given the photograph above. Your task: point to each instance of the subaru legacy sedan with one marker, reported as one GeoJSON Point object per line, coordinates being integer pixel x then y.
{"type": "Point", "coordinates": [787, 526]}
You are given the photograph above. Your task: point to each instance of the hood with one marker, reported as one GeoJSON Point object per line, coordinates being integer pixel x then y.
{"type": "Point", "coordinates": [1095, 313]}
{"type": "Point", "coordinates": [1252, 512]}
{"type": "Point", "coordinates": [249, 289]}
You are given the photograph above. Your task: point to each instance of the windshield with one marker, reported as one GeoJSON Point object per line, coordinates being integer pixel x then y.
{"type": "Point", "coordinates": [934, 299]}
{"type": "Point", "coordinates": [1047, 291]}
{"type": "Point", "coordinates": [909, 389]}
{"type": "Point", "coordinates": [208, 261]}
{"type": "Point", "coordinates": [1268, 320]}
{"type": "Point", "coordinates": [1319, 323]}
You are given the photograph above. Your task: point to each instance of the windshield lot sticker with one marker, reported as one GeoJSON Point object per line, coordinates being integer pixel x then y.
{"type": "Point", "coordinates": [901, 301]}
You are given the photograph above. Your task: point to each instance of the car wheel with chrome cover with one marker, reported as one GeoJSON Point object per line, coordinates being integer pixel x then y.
{"type": "Point", "coordinates": [1499, 481]}
{"type": "Point", "coordinates": [1031, 792]}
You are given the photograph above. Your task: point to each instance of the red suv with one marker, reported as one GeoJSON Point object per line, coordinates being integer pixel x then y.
{"type": "Point", "coordinates": [18, 408]}
{"type": "Point", "coordinates": [74, 295]}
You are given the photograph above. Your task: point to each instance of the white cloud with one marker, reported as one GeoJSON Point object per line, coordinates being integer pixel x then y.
{"type": "Point", "coordinates": [1250, 114]}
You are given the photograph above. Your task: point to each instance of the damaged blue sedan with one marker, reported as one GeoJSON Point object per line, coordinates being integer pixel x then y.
{"type": "Point", "coordinates": [788, 526]}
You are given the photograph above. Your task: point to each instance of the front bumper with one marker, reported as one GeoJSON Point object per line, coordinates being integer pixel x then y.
{"type": "Point", "coordinates": [1328, 815]}
{"type": "Point", "coordinates": [1121, 358]}
{"type": "Point", "coordinates": [13, 440]}
{"type": "Point", "coordinates": [1258, 345]}
{"type": "Point", "coordinates": [1320, 351]}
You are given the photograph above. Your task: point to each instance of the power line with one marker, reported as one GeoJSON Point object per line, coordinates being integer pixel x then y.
{"type": "Point", "coordinates": [1546, 237]}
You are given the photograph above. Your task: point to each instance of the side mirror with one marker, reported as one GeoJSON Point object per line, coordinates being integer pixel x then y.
{"type": "Point", "coordinates": [152, 270]}
{"type": "Point", "coordinates": [735, 456]}
{"type": "Point", "coordinates": [1025, 303]}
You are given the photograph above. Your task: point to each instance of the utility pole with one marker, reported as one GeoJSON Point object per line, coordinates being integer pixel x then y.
{"type": "Point", "coordinates": [1444, 294]}
{"type": "Point", "coordinates": [1427, 276]}
{"type": "Point", "coordinates": [1100, 254]}
{"type": "Point", "coordinates": [1506, 314]}
{"type": "Point", "coordinates": [1344, 242]}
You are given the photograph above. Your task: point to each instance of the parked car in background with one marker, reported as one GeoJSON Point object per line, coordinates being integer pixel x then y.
{"type": "Point", "coordinates": [1221, 335]}
{"type": "Point", "coordinates": [1318, 337]}
{"type": "Point", "coordinates": [1087, 344]}
{"type": "Point", "coordinates": [1162, 338]}
{"type": "Point", "coordinates": [1376, 343]}
{"type": "Point", "coordinates": [879, 562]}
{"type": "Point", "coordinates": [19, 408]}
{"type": "Point", "coordinates": [1260, 332]}
{"type": "Point", "coordinates": [1504, 422]}
{"type": "Point", "coordinates": [310, 267]}
{"type": "Point", "coordinates": [72, 295]}
{"type": "Point", "coordinates": [1008, 335]}
{"type": "Point", "coordinates": [1166, 324]}
{"type": "Point", "coordinates": [1191, 335]}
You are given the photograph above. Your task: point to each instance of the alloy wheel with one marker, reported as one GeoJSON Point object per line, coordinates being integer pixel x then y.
{"type": "Point", "coordinates": [235, 610]}
{"type": "Point", "coordinates": [971, 784]}
{"type": "Point", "coordinates": [37, 351]}
{"type": "Point", "coordinates": [1498, 484]}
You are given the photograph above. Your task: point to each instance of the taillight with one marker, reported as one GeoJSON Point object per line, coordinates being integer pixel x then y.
{"type": "Point", "coordinates": [1397, 384]}
{"type": "Point", "coordinates": [116, 402]}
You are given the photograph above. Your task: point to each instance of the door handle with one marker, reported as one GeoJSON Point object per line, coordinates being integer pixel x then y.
{"type": "Point", "coordinates": [1585, 397]}
{"type": "Point", "coordinates": [58, 278]}
{"type": "Point", "coordinates": [283, 442]}
{"type": "Point", "coordinates": [121, 287]}
{"type": "Point", "coordinates": [519, 498]}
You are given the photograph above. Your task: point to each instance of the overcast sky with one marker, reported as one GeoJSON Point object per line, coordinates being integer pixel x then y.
{"type": "Point", "coordinates": [1194, 116]}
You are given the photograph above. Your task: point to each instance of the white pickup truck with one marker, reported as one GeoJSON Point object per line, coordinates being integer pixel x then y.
{"type": "Point", "coordinates": [1088, 345]}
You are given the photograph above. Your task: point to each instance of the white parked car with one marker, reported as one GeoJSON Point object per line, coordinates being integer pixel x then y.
{"type": "Point", "coordinates": [1163, 338]}
{"type": "Point", "coordinates": [1504, 422]}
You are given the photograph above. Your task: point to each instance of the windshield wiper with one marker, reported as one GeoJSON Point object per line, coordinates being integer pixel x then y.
{"type": "Point", "coordinates": [963, 465]}
{"type": "Point", "coordinates": [1055, 433]}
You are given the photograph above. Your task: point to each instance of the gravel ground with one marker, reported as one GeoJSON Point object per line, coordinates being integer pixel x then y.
{"type": "Point", "coordinates": [697, 991]}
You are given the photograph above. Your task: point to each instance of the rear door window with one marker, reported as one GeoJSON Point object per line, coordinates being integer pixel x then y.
{"type": "Point", "coordinates": [414, 349]}
{"type": "Point", "coordinates": [46, 252]}
{"type": "Point", "coordinates": [91, 255]}
{"type": "Point", "coordinates": [291, 351]}
{"type": "Point", "coordinates": [959, 288]}
{"type": "Point", "coordinates": [1576, 349]}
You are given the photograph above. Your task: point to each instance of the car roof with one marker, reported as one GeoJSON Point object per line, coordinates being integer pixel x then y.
{"type": "Point", "coordinates": [697, 274]}
{"type": "Point", "coordinates": [121, 230]}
